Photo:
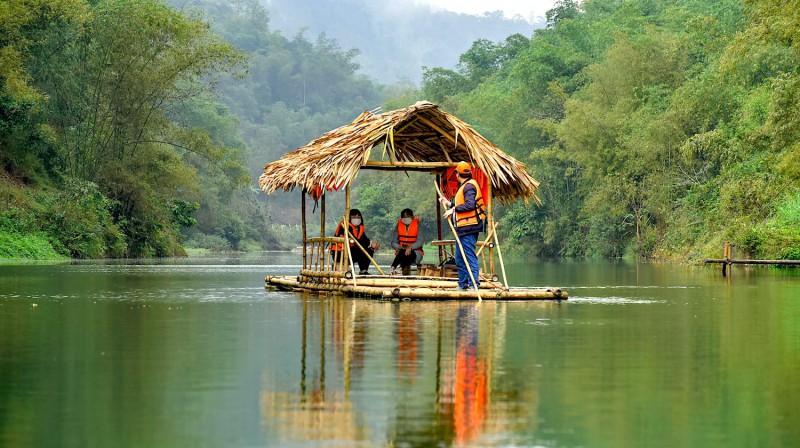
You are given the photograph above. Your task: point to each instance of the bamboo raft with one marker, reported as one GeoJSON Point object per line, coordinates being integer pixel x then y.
{"type": "Point", "coordinates": [408, 288]}
{"type": "Point", "coordinates": [417, 138]}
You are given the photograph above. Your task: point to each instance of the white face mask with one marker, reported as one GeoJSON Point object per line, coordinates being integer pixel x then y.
{"type": "Point", "coordinates": [355, 221]}
{"type": "Point", "coordinates": [407, 221]}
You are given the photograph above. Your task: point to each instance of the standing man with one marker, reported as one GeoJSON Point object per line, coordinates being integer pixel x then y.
{"type": "Point", "coordinates": [468, 217]}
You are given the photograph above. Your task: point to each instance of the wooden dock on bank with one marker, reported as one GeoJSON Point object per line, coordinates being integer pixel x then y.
{"type": "Point", "coordinates": [728, 260]}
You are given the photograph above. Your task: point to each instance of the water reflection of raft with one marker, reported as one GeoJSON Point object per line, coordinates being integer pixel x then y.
{"type": "Point", "coordinates": [389, 287]}
{"type": "Point", "coordinates": [418, 138]}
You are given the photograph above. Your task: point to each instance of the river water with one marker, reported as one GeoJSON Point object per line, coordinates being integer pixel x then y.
{"type": "Point", "coordinates": [196, 353]}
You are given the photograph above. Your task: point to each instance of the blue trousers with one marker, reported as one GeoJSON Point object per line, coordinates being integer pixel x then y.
{"type": "Point", "coordinates": [468, 242]}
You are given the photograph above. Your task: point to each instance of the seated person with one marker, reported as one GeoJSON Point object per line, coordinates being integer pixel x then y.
{"type": "Point", "coordinates": [407, 243]}
{"type": "Point", "coordinates": [357, 231]}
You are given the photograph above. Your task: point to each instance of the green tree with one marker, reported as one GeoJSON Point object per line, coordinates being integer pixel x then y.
{"type": "Point", "coordinates": [118, 93]}
{"type": "Point", "coordinates": [30, 30]}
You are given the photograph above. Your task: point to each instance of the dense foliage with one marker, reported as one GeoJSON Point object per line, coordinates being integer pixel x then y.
{"type": "Point", "coordinates": [96, 123]}
{"type": "Point", "coordinates": [127, 126]}
{"type": "Point", "coordinates": [657, 128]}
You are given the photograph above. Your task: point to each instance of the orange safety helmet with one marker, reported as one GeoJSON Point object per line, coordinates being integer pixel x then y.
{"type": "Point", "coordinates": [464, 168]}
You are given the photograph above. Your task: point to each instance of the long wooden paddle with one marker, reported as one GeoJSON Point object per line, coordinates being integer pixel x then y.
{"type": "Point", "coordinates": [346, 246]}
{"type": "Point", "coordinates": [350, 235]}
{"type": "Point", "coordinates": [499, 253]}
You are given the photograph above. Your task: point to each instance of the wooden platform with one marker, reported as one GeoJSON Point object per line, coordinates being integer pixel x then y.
{"type": "Point", "coordinates": [409, 287]}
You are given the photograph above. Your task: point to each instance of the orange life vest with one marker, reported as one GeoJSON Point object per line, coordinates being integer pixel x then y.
{"type": "Point", "coordinates": [470, 217]}
{"type": "Point", "coordinates": [356, 231]}
{"type": "Point", "coordinates": [407, 235]}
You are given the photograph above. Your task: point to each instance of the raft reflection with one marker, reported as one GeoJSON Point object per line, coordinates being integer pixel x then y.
{"type": "Point", "coordinates": [380, 372]}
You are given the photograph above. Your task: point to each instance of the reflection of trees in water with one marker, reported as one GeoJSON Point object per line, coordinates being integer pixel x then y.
{"type": "Point", "coordinates": [316, 411]}
{"type": "Point", "coordinates": [456, 366]}
{"type": "Point", "coordinates": [349, 332]}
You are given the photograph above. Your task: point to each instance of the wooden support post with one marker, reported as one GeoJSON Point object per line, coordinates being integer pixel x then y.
{"type": "Point", "coordinates": [345, 224]}
{"type": "Point", "coordinates": [439, 220]}
{"type": "Point", "coordinates": [483, 262]}
{"type": "Point", "coordinates": [491, 262]}
{"type": "Point", "coordinates": [726, 254]}
{"type": "Point", "coordinates": [493, 230]}
{"type": "Point", "coordinates": [322, 230]}
{"type": "Point", "coordinates": [499, 254]}
{"type": "Point", "coordinates": [303, 213]}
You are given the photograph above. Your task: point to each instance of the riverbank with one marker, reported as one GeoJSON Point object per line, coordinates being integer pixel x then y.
{"type": "Point", "coordinates": [15, 246]}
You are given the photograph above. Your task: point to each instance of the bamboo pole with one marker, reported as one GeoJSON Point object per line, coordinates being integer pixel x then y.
{"type": "Point", "coordinates": [322, 274]}
{"type": "Point", "coordinates": [303, 213]}
{"type": "Point", "coordinates": [490, 218]}
{"type": "Point", "coordinates": [488, 200]}
{"type": "Point", "coordinates": [346, 227]}
{"type": "Point", "coordinates": [483, 261]}
{"type": "Point", "coordinates": [320, 256]}
{"type": "Point", "coordinates": [499, 254]}
{"type": "Point", "coordinates": [515, 294]}
{"type": "Point", "coordinates": [327, 239]}
{"type": "Point", "coordinates": [395, 282]}
{"type": "Point", "coordinates": [444, 150]}
{"type": "Point", "coordinates": [491, 260]}
{"type": "Point", "coordinates": [439, 220]}
{"type": "Point", "coordinates": [322, 229]}
{"type": "Point", "coordinates": [485, 243]}
{"type": "Point", "coordinates": [349, 235]}
{"type": "Point", "coordinates": [438, 129]}
{"type": "Point", "coordinates": [425, 166]}
{"type": "Point", "coordinates": [461, 248]}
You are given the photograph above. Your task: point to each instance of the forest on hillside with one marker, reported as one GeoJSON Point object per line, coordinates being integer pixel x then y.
{"type": "Point", "coordinates": [656, 128]}
{"type": "Point", "coordinates": [129, 128]}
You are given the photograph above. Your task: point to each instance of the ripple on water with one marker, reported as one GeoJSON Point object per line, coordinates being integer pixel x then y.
{"type": "Point", "coordinates": [613, 300]}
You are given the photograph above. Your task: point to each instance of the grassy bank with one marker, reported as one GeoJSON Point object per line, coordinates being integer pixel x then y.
{"type": "Point", "coordinates": [15, 246]}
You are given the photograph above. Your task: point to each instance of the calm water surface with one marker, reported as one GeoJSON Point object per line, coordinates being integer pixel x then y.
{"type": "Point", "coordinates": [195, 353]}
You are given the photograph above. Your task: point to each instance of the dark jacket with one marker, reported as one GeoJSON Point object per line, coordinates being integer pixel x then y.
{"type": "Point", "coordinates": [364, 240]}
{"type": "Point", "coordinates": [468, 205]}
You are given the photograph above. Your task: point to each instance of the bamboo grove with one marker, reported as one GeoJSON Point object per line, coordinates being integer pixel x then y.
{"type": "Point", "coordinates": [127, 126]}
{"type": "Point", "coordinates": [657, 128]}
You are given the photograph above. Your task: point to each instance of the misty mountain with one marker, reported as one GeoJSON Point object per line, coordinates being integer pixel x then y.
{"type": "Point", "coordinates": [396, 39]}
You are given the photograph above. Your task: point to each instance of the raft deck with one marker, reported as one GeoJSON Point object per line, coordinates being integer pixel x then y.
{"type": "Point", "coordinates": [409, 287]}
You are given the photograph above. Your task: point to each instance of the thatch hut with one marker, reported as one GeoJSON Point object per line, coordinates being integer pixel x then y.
{"type": "Point", "coordinates": [418, 137]}
{"type": "Point", "coordinates": [421, 137]}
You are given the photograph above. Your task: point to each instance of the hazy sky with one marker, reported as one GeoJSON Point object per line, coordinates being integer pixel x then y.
{"type": "Point", "coordinates": [525, 8]}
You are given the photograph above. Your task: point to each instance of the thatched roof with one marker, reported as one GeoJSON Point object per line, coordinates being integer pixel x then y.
{"type": "Point", "coordinates": [418, 137]}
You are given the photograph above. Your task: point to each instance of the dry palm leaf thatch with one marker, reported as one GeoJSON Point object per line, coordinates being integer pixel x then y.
{"type": "Point", "coordinates": [420, 136]}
